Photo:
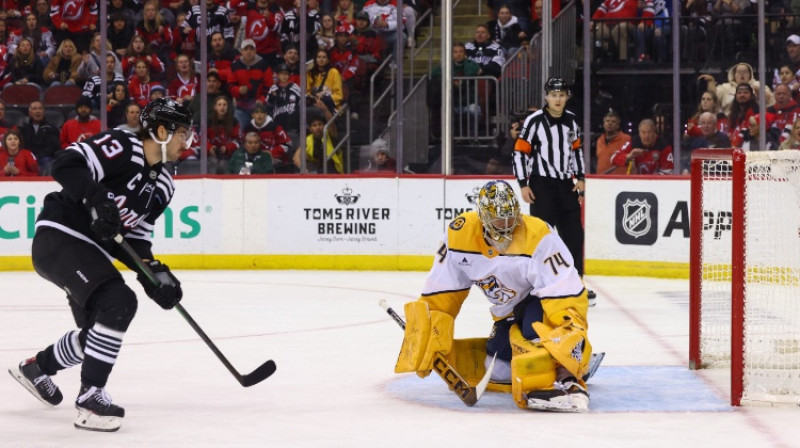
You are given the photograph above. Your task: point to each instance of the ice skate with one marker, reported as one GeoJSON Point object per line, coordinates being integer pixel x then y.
{"type": "Point", "coordinates": [565, 396]}
{"type": "Point", "coordinates": [96, 412]}
{"type": "Point", "coordinates": [40, 385]}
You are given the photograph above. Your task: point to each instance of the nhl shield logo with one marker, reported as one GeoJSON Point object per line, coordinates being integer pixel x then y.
{"type": "Point", "coordinates": [636, 218]}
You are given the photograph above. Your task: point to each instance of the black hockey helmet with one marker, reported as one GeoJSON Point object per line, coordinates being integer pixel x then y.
{"type": "Point", "coordinates": [165, 112]}
{"type": "Point", "coordinates": [556, 84]}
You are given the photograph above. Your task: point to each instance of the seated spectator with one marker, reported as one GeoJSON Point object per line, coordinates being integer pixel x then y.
{"type": "Point", "coordinates": [92, 61]}
{"type": "Point", "coordinates": [323, 80]}
{"type": "Point", "coordinates": [465, 104]}
{"type": "Point", "coordinates": [610, 141]}
{"type": "Point", "coordinates": [744, 106]}
{"type": "Point", "coordinates": [24, 67]}
{"type": "Point", "coordinates": [380, 160]}
{"type": "Point", "coordinates": [696, 22]}
{"type": "Point", "coordinates": [62, 70]}
{"type": "Point", "coordinates": [140, 84]}
{"type": "Point", "coordinates": [156, 31]}
{"type": "Point", "coordinates": [131, 123]}
{"type": "Point", "coordinates": [120, 33]}
{"type": "Point", "coordinates": [4, 124]}
{"type": "Point", "coordinates": [614, 20]}
{"type": "Point", "coordinates": [221, 56]}
{"type": "Point", "coordinates": [710, 137]}
{"type": "Point", "coordinates": [157, 91]}
{"type": "Point", "coordinates": [739, 73]}
{"type": "Point", "coordinates": [184, 43]}
{"type": "Point", "coordinates": [290, 27]}
{"type": "Point", "coordinates": [489, 55]}
{"type": "Point", "coordinates": [251, 159]}
{"type": "Point", "coordinates": [217, 21]}
{"type": "Point", "coordinates": [42, 136]}
{"type": "Point", "coordinates": [138, 50]}
{"type": "Point", "coordinates": [214, 84]}
{"type": "Point", "coordinates": [708, 103]}
{"type": "Point", "coordinates": [262, 29]}
{"type": "Point", "coordinates": [784, 110]}
{"type": "Point", "coordinates": [315, 156]}
{"type": "Point", "coordinates": [747, 137]}
{"type": "Point", "coordinates": [84, 125]}
{"type": "Point", "coordinates": [731, 25]}
{"type": "Point", "coordinates": [344, 13]}
{"type": "Point", "coordinates": [91, 89]}
{"type": "Point", "coordinates": [42, 10]}
{"type": "Point", "coordinates": [523, 10]}
{"type": "Point", "coordinates": [184, 87]}
{"type": "Point", "coordinates": [367, 44]}
{"type": "Point", "coordinates": [273, 138]}
{"type": "Point", "coordinates": [15, 160]}
{"type": "Point", "coordinates": [791, 62]}
{"type": "Point", "coordinates": [326, 35]}
{"type": "Point", "coordinates": [44, 45]}
{"type": "Point", "coordinates": [384, 19]}
{"type": "Point", "coordinates": [117, 104]}
{"type": "Point", "coordinates": [793, 142]}
{"type": "Point", "coordinates": [223, 134]}
{"type": "Point", "coordinates": [349, 66]}
{"type": "Point", "coordinates": [284, 102]}
{"type": "Point", "coordinates": [506, 31]}
{"type": "Point", "coordinates": [786, 76]}
{"type": "Point", "coordinates": [654, 34]}
{"type": "Point", "coordinates": [649, 153]}
{"type": "Point", "coordinates": [248, 74]}
{"type": "Point", "coordinates": [74, 20]}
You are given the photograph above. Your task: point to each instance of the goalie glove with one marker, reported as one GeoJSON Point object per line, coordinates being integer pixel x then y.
{"type": "Point", "coordinates": [427, 332]}
{"type": "Point", "coordinates": [568, 343]}
{"type": "Point", "coordinates": [168, 292]}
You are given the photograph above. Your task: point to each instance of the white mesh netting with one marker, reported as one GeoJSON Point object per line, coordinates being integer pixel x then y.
{"type": "Point", "coordinates": [772, 266]}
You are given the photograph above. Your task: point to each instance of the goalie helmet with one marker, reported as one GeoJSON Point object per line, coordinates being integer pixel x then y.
{"type": "Point", "coordinates": [164, 112]}
{"type": "Point", "coordinates": [498, 210]}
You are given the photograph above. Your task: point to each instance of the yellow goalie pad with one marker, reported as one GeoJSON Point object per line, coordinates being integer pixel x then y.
{"type": "Point", "coordinates": [427, 332]}
{"type": "Point", "coordinates": [532, 367]}
{"type": "Point", "coordinates": [467, 356]}
{"type": "Point", "coordinates": [568, 343]}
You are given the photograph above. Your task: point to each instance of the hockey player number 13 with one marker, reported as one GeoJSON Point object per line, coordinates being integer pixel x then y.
{"type": "Point", "coordinates": [556, 260]}
{"type": "Point", "coordinates": [110, 150]}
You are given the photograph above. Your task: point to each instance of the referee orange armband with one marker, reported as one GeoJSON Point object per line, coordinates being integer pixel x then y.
{"type": "Point", "coordinates": [522, 146]}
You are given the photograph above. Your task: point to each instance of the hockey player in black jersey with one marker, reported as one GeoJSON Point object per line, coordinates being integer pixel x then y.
{"type": "Point", "coordinates": [112, 183]}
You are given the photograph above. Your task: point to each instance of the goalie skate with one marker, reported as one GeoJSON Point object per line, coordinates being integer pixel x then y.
{"type": "Point", "coordinates": [568, 396]}
{"type": "Point", "coordinates": [96, 412]}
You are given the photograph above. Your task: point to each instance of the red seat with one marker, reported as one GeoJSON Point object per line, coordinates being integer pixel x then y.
{"type": "Point", "coordinates": [21, 95]}
{"type": "Point", "coordinates": [62, 96]}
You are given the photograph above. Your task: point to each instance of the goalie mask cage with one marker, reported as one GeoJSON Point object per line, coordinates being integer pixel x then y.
{"type": "Point", "coordinates": [745, 271]}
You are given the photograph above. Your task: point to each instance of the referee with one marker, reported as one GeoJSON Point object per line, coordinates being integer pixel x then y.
{"type": "Point", "coordinates": [548, 164]}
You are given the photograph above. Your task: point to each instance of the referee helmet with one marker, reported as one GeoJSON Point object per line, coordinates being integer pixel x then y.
{"type": "Point", "coordinates": [556, 85]}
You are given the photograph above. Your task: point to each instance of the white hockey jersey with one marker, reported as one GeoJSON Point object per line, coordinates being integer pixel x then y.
{"type": "Point", "coordinates": [536, 262]}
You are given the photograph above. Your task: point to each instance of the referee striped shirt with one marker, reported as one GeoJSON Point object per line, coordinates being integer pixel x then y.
{"type": "Point", "coordinates": [549, 147]}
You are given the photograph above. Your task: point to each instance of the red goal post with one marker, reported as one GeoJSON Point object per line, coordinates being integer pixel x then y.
{"type": "Point", "coordinates": [744, 294]}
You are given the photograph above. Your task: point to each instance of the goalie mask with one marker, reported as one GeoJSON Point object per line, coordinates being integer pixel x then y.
{"type": "Point", "coordinates": [498, 210]}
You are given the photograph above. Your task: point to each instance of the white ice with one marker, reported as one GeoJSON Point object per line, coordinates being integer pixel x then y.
{"type": "Point", "coordinates": [335, 386]}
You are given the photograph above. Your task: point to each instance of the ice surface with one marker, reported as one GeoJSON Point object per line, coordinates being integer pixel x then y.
{"type": "Point", "coordinates": [335, 387]}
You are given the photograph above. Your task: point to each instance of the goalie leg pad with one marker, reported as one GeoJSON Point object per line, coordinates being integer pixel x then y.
{"type": "Point", "coordinates": [532, 367]}
{"type": "Point", "coordinates": [467, 358]}
{"type": "Point", "coordinates": [427, 332]}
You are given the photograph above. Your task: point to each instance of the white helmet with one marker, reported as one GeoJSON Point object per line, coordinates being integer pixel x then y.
{"type": "Point", "coordinates": [498, 210]}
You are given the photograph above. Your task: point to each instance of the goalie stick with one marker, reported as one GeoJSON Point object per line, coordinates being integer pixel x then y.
{"type": "Point", "coordinates": [256, 376]}
{"type": "Point", "coordinates": [468, 394]}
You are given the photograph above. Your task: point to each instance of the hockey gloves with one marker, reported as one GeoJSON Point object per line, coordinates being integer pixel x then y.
{"type": "Point", "coordinates": [105, 214]}
{"type": "Point", "coordinates": [427, 333]}
{"type": "Point", "coordinates": [168, 292]}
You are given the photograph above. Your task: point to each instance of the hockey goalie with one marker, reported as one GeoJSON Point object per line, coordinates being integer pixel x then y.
{"type": "Point", "coordinates": [539, 340]}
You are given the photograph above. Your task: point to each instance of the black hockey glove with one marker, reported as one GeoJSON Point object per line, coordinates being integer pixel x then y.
{"type": "Point", "coordinates": [105, 214]}
{"type": "Point", "coordinates": [168, 293]}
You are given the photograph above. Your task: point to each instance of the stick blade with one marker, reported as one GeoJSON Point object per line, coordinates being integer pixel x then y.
{"type": "Point", "coordinates": [260, 374]}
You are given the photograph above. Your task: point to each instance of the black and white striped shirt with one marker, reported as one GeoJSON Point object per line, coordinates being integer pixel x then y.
{"type": "Point", "coordinates": [549, 147]}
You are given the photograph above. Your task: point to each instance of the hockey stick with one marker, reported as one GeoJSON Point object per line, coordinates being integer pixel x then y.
{"type": "Point", "coordinates": [594, 364]}
{"type": "Point", "coordinates": [468, 394]}
{"type": "Point", "coordinates": [256, 376]}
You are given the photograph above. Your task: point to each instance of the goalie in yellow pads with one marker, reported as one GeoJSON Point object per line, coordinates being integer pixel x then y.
{"type": "Point", "coordinates": [539, 305]}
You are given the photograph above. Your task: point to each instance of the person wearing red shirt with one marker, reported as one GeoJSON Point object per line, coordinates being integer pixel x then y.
{"type": "Point", "coordinates": [623, 15]}
{"type": "Point", "coordinates": [273, 138]}
{"type": "Point", "coordinates": [14, 160]}
{"type": "Point", "coordinates": [263, 28]}
{"type": "Point", "coordinates": [224, 134]}
{"type": "Point", "coordinates": [186, 81]}
{"type": "Point", "coordinates": [81, 127]}
{"type": "Point", "coordinates": [141, 84]}
{"type": "Point", "coordinates": [248, 74]}
{"type": "Point", "coordinates": [650, 154]}
{"type": "Point", "coordinates": [74, 19]}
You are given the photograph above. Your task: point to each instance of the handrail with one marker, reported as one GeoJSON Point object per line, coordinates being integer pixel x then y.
{"type": "Point", "coordinates": [345, 138]}
{"type": "Point", "coordinates": [372, 102]}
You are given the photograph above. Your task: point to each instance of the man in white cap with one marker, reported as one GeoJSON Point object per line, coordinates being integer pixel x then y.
{"type": "Point", "coordinates": [248, 73]}
{"type": "Point", "coordinates": [792, 59]}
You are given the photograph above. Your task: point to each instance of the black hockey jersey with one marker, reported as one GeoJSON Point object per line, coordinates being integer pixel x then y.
{"type": "Point", "coordinates": [116, 160]}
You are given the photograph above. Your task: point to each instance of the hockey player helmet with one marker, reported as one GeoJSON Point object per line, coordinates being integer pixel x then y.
{"type": "Point", "coordinates": [165, 112]}
{"type": "Point", "coordinates": [498, 210]}
{"type": "Point", "coordinates": [556, 85]}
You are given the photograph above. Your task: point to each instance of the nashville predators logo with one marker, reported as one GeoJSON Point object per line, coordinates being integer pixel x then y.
{"type": "Point", "coordinates": [495, 291]}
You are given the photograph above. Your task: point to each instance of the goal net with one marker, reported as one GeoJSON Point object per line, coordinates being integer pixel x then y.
{"type": "Point", "coordinates": [745, 271]}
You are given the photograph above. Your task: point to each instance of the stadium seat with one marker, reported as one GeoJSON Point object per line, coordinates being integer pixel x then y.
{"type": "Point", "coordinates": [15, 117]}
{"type": "Point", "coordinates": [21, 95]}
{"type": "Point", "coordinates": [54, 117]}
{"type": "Point", "coordinates": [63, 97]}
